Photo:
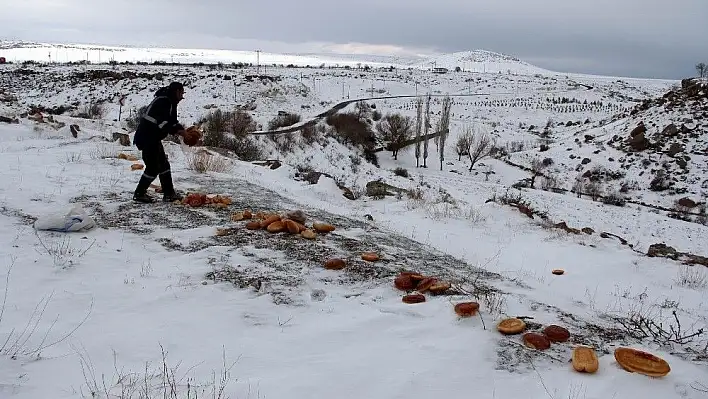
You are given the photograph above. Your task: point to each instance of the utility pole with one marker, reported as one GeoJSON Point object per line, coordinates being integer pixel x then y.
{"type": "Point", "coordinates": [258, 61]}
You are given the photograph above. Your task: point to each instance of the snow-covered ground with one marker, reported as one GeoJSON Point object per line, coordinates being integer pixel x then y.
{"type": "Point", "coordinates": [91, 311]}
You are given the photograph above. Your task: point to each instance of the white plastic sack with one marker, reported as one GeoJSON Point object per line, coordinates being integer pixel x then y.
{"type": "Point", "coordinates": [75, 220]}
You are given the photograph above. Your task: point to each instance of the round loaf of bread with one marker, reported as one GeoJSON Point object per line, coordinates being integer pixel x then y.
{"type": "Point", "coordinates": [466, 309]}
{"type": "Point", "coordinates": [413, 298]}
{"type": "Point", "coordinates": [536, 341]}
{"type": "Point", "coordinates": [511, 326]}
{"type": "Point", "coordinates": [556, 333]}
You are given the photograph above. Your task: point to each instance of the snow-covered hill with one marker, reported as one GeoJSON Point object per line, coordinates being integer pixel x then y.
{"type": "Point", "coordinates": [48, 52]}
{"type": "Point", "coordinates": [483, 61]}
{"type": "Point", "coordinates": [261, 308]}
{"type": "Point", "coordinates": [656, 152]}
{"type": "Point", "coordinates": [474, 61]}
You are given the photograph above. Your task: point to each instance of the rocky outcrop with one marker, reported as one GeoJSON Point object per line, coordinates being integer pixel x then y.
{"type": "Point", "coordinates": [665, 251]}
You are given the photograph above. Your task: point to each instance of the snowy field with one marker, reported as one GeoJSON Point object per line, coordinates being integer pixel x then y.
{"type": "Point", "coordinates": [89, 314]}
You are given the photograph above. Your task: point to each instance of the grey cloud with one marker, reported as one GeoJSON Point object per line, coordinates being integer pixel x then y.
{"type": "Point", "coordinates": [648, 38]}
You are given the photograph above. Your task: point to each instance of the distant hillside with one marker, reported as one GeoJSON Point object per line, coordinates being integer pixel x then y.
{"type": "Point", "coordinates": [483, 61]}
{"type": "Point", "coordinates": [476, 60]}
{"type": "Point", "coordinates": [23, 51]}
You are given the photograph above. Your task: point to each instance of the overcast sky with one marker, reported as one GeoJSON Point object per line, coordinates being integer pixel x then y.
{"type": "Point", "coordinates": [642, 38]}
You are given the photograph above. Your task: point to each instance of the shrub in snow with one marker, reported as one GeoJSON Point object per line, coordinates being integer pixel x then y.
{"type": "Point", "coordinates": [283, 120]}
{"type": "Point", "coordinates": [615, 199]}
{"type": "Point", "coordinates": [403, 172]}
{"type": "Point", "coordinates": [202, 162]}
{"type": "Point", "coordinates": [91, 111]}
{"type": "Point", "coordinates": [229, 130]}
{"type": "Point", "coordinates": [133, 120]}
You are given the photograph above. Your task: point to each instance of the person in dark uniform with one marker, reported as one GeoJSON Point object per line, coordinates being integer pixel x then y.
{"type": "Point", "coordinates": [159, 120]}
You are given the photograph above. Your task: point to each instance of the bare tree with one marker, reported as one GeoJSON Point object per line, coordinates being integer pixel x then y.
{"type": "Point", "coordinates": [537, 167]}
{"type": "Point", "coordinates": [395, 129]}
{"type": "Point", "coordinates": [462, 145]}
{"type": "Point", "coordinates": [444, 128]}
{"type": "Point", "coordinates": [480, 145]}
{"type": "Point", "coordinates": [418, 128]}
{"type": "Point", "coordinates": [579, 185]}
{"type": "Point", "coordinates": [702, 69]}
{"type": "Point", "coordinates": [427, 126]}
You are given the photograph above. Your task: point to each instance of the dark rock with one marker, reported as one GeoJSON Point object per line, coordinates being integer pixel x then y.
{"type": "Point", "coordinates": [638, 142]}
{"type": "Point", "coordinates": [687, 202]}
{"type": "Point", "coordinates": [379, 189]}
{"type": "Point", "coordinates": [662, 250]}
{"type": "Point", "coordinates": [675, 148]}
{"type": "Point", "coordinates": [5, 119]}
{"type": "Point", "coordinates": [670, 130]}
{"type": "Point", "coordinates": [121, 138]}
{"type": "Point", "coordinates": [640, 129]}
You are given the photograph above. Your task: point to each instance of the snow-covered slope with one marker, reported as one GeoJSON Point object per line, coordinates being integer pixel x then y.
{"type": "Point", "coordinates": [48, 52]}
{"type": "Point", "coordinates": [483, 61]}
{"type": "Point", "coordinates": [474, 61]}
{"type": "Point", "coordinates": [261, 307]}
{"type": "Point", "coordinates": [655, 152]}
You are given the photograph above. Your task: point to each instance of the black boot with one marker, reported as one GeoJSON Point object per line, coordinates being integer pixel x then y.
{"type": "Point", "coordinates": [172, 197]}
{"type": "Point", "coordinates": [168, 188]}
{"type": "Point", "coordinates": [143, 197]}
{"type": "Point", "coordinates": [140, 194]}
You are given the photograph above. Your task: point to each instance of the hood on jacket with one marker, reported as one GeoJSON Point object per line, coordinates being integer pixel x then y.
{"type": "Point", "coordinates": [163, 91]}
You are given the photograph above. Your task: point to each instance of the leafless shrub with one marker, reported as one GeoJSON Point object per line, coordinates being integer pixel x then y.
{"type": "Point", "coordinates": [415, 194]}
{"type": "Point", "coordinates": [350, 129]}
{"type": "Point", "coordinates": [103, 151]}
{"type": "Point", "coordinates": [537, 167]}
{"type": "Point", "coordinates": [646, 323]}
{"type": "Point", "coordinates": [311, 134]}
{"type": "Point", "coordinates": [691, 277]}
{"type": "Point", "coordinates": [91, 111]}
{"type": "Point", "coordinates": [133, 120]}
{"type": "Point", "coordinates": [229, 130]}
{"type": "Point", "coordinates": [593, 189]}
{"type": "Point", "coordinates": [629, 185]}
{"type": "Point", "coordinates": [202, 162]}
{"type": "Point", "coordinates": [17, 342]}
{"type": "Point", "coordinates": [614, 198]}
{"type": "Point", "coordinates": [284, 120]}
{"type": "Point", "coordinates": [73, 157]}
{"type": "Point", "coordinates": [519, 202]}
{"type": "Point", "coordinates": [161, 381]}
{"type": "Point", "coordinates": [219, 126]}
{"type": "Point", "coordinates": [462, 145]}
{"type": "Point", "coordinates": [402, 172]}
{"type": "Point", "coordinates": [660, 182]}
{"type": "Point", "coordinates": [62, 252]}
{"type": "Point", "coordinates": [285, 143]}
{"type": "Point", "coordinates": [550, 182]}
{"type": "Point", "coordinates": [247, 149]}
